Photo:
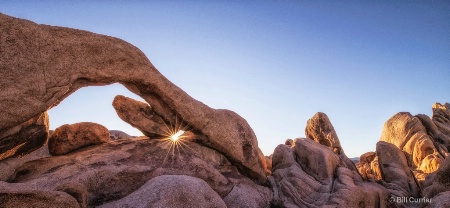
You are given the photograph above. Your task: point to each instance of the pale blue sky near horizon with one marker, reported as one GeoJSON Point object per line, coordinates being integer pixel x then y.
{"type": "Point", "coordinates": [276, 63]}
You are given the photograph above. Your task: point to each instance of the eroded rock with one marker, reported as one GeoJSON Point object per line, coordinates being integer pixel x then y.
{"type": "Point", "coordinates": [171, 191]}
{"type": "Point", "coordinates": [144, 117]}
{"type": "Point", "coordinates": [31, 84]}
{"type": "Point", "coordinates": [309, 174]}
{"type": "Point", "coordinates": [9, 166]}
{"type": "Point", "coordinates": [70, 137]}
{"type": "Point", "coordinates": [111, 171]}
{"type": "Point", "coordinates": [440, 200]}
{"type": "Point", "coordinates": [438, 181]}
{"type": "Point", "coordinates": [23, 195]}
{"type": "Point", "coordinates": [320, 129]}
{"type": "Point", "coordinates": [24, 138]}
{"type": "Point", "coordinates": [141, 116]}
{"type": "Point", "coordinates": [441, 117]}
{"type": "Point", "coordinates": [116, 134]}
{"type": "Point", "coordinates": [248, 195]}
{"type": "Point", "coordinates": [409, 134]}
{"type": "Point", "coordinates": [396, 175]}
{"type": "Point", "coordinates": [368, 166]}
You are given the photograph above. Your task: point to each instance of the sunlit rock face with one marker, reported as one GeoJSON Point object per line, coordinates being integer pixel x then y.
{"type": "Point", "coordinates": [368, 166]}
{"type": "Point", "coordinates": [320, 129]}
{"type": "Point", "coordinates": [438, 181]}
{"type": "Point", "coordinates": [409, 134]}
{"type": "Point", "coordinates": [424, 141]}
{"type": "Point", "coordinates": [313, 172]}
{"type": "Point", "coordinates": [410, 156]}
{"type": "Point", "coordinates": [41, 65]}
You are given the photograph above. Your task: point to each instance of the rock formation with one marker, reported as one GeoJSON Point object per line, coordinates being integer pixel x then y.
{"type": "Point", "coordinates": [308, 174]}
{"type": "Point", "coordinates": [20, 195]}
{"type": "Point", "coordinates": [424, 142]}
{"type": "Point", "coordinates": [117, 170]}
{"type": "Point", "coordinates": [116, 134]}
{"type": "Point", "coordinates": [68, 138]}
{"type": "Point", "coordinates": [409, 134]}
{"type": "Point", "coordinates": [368, 166]}
{"type": "Point", "coordinates": [144, 117]}
{"type": "Point", "coordinates": [172, 189]}
{"type": "Point", "coordinates": [439, 181]}
{"type": "Point", "coordinates": [441, 118]}
{"type": "Point", "coordinates": [320, 129]}
{"type": "Point", "coordinates": [41, 65]}
{"type": "Point", "coordinates": [24, 138]}
{"type": "Point", "coordinates": [141, 116]}
{"type": "Point", "coordinates": [10, 165]}
{"type": "Point", "coordinates": [215, 162]}
{"type": "Point", "coordinates": [396, 175]}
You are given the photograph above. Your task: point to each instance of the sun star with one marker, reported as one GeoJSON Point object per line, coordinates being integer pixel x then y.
{"type": "Point", "coordinates": [177, 135]}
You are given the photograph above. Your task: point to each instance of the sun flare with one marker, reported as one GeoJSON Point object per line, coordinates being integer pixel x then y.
{"type": "Point", "coordinates": [177, 138]}
{"type": "Point", "coordinates": [177, 135]}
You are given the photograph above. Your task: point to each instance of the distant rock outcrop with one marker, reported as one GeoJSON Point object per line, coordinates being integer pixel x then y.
{"type": "Point", "coordinates": [320, 129]}
{"type": "Point", "coordinates": [441, 117]}
{"type": "Point", "coordinates": [308, 174]}
{"type": "Point", "coordinates": [409, 134]}
{"type": "Point", "coordinates": [68, 138]}
{"type": "Point", "coordinates": [116, 134]}
{"type": "Point", "coordinates": [424, 142]}
{"type": "Point", "coordinates": [368, 166]}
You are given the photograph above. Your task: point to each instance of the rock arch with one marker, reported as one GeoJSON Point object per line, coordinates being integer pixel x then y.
{"type": "Point", "coordinates": [41, 65]}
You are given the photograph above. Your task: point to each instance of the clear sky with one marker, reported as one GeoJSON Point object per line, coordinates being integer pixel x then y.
{"type": "Point", "coordinates": [276, 63]}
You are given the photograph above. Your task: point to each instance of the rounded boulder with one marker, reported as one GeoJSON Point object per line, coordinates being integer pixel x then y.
{"type": "Point", "coordinates": [70, 137]}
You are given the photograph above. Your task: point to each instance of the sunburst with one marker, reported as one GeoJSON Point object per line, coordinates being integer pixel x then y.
{"type": "Point", "coordinates": [177, 135]}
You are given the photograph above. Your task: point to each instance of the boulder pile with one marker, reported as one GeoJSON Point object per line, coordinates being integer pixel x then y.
{"type": "Point", "coordinates": [190, 155]}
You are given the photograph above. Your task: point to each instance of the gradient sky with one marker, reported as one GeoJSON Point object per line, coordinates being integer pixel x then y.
{"type": "Point", "coordinates": [276, 63]}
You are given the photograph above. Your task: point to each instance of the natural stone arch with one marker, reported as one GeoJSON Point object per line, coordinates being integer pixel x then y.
{"type": "Point", "coordinates": [41, 65]}
{"type": "Point", "coordinates": [93, 104]}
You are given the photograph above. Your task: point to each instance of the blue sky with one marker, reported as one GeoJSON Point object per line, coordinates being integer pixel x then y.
{"type": "Point", "coordinates": [276, 63]}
